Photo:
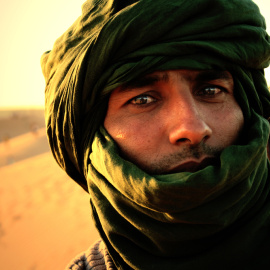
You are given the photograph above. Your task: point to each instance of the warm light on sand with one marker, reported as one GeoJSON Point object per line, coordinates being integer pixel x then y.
{"type": "Point", "coordinates": [44, 216]}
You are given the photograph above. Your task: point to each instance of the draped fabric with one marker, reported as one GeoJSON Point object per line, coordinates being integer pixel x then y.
{"type": "Point", "coordinates": [169, 221]}
{"type": "Point", "coordinates": [184, 220]}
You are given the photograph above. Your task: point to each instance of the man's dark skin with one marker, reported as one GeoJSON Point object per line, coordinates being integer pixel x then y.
{"type": "Point", "coordinates": [175, 121]}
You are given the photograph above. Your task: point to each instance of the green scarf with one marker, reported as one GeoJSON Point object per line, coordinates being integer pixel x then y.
{"type": "Point", "coordinates": [184, 220]}
{"type": "Point", "coordinates": [171, 221]}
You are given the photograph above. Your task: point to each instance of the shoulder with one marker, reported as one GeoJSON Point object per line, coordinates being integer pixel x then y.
{"type": "Point", "coordinates": [95, 258]}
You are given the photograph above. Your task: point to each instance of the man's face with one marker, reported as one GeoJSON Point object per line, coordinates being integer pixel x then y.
{"type": "Point", "coordinates": [174, 121]}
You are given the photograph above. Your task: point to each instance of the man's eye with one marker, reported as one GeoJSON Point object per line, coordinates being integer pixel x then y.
{"type": "Point", "coordinates": [142, 100]}
{"type": "Point", "coordinates": [210, 91]}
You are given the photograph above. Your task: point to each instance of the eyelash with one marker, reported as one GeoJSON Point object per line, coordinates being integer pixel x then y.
{"type": "Point", "coordinates": [197, 93]}
{"type": "Point", "coordinates": [142, 96]}
{"type": "Point", "coordinates": [222, 89]}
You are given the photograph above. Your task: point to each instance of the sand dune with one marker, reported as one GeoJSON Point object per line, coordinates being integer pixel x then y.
{"type": "Point", "coordinates": [44, 216]}
{"type": "Point", "coordinates": [20, 121]}
{"type": "Point", "coordinates": [24, 146]}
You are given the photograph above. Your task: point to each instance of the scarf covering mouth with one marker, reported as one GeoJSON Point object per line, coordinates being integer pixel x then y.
{"type": "Point", "coordinates": [114, 42]}
{"type": "Point", "coordinates": [184, 220]}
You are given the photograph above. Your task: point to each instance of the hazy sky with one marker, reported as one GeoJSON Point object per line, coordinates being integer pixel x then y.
{"type": "Point", "coordinates": [27, 29]}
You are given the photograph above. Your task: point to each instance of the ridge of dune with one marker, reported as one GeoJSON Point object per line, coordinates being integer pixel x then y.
{"type": "Point", "coordinates": [44, 216]}
{"type": "Point", "coordinates": [14, 122]}
{"type": "Point", "coordinates": [23, 146]}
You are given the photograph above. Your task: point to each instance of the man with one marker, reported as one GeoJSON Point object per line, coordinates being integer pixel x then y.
{"type": "Point", "coordinates": [158, 109]}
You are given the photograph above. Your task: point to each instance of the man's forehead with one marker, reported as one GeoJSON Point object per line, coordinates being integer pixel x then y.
{"type": "Point", "coordinates": [164, 76]}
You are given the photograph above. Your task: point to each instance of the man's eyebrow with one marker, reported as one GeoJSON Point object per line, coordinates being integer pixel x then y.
{"type": "Point", "coordinates": [144, 81]}
{"type": "Point", "coordinates": [148, 80]}
{"type": "Point", "coordinates": [212, 75]}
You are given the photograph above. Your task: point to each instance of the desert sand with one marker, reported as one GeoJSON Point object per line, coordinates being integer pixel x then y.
{"type": "Point", "coordinates": [45, 217]}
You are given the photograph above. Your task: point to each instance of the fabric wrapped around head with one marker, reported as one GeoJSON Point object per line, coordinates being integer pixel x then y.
{"type": "Point", "coordinates": [214, 218]}
{"type": "Point", "coordinates": [114, 41]}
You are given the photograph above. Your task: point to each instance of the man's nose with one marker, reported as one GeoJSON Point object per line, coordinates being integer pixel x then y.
{"type": "Point", "coordinates": [188, 124]}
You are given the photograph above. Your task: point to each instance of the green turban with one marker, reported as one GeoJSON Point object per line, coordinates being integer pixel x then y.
{"type": "Point", "coordinates": [113, 42]}
{"type": "Point", "coordinates": [143, 220]}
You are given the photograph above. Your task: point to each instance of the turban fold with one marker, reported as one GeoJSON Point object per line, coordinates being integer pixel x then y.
{"type": "Point", "coordinates": [217, 217]}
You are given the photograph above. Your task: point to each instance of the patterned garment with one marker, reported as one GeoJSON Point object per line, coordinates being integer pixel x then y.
{"type": "Point", "coordinates": [95, 258]}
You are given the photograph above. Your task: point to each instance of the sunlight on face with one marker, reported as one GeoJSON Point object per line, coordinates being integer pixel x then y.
{"type": "Point", "coordinates": [175, 120]}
